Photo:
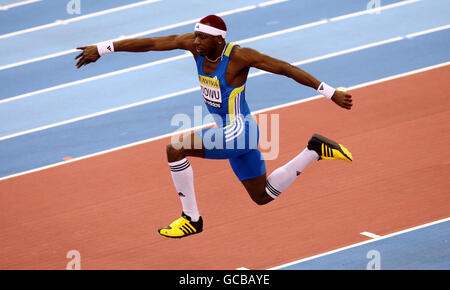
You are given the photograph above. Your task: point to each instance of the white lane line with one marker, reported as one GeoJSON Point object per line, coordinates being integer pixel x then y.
{"type": "Point", "coordinates": [370, 235]}
{"type": "Point", "coordinates": [104, 112]}
{"type": "Point", "coordinates": [234, 11]}
{"type": "Point", "coordinates": [105, 151]}
{"type": "Point", "coordinates": [267, 35]}
{"type": "Point", "coordinates": [14, 5]}
{"type": "Point", "coordinates": [333, 54]}
{"type": "Point", "coordinates": [242, 268]}
{"type": "Point", "coordinates": [187, 22]}
{"type": "Point", "coordinates": [268, 3]}
{"type": "Point", "coordinates": [171, 95]}
{"type": "Point", "coordinates": [101, 76]}
{"type": "Point", "coordinates": [75, 19]}
{"type": "Point", "coordinates": [423, 32]}
{"type": "Point", "coordinates": [373, 10]}
{"type": "Point", "coordinates": [210, 124]}
{"type": "Point", "coordinates": [283, 31]}
{"type": "Point", "coordinates": [48, 56]}
{"type": "Point", "coordinates": [97, 77]}
{"type": "Point", "coordinates": [135, 35]}
{"type": "Point", "coordinates": [363, 85]}
{"type": "Point", "coordinates": [360, 244]}
{"type": "Point", "coordinates": [140, 34]}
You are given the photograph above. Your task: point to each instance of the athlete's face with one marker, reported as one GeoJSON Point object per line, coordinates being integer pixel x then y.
{"type": "Point", "coordinates": [206, 44]}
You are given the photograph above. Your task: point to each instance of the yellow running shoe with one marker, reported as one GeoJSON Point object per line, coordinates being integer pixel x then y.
{"type": "Point", "coordinates": [328, 149]}
{"type": "Point", "coordinates": [182, 227]}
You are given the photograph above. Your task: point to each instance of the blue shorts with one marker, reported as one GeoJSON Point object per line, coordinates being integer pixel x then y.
{"type": "Point", "coordinates": [238, 144]}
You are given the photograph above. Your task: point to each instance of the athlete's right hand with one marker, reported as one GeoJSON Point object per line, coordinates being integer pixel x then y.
{"type": "Point", "coordinates": [342, 99]}
{"type": "Point", "coordinates": [88, 55]}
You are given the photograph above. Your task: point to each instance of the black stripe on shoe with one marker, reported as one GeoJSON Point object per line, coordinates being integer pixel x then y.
{"type": "Point", "coordinates": [191, 228]}
{"type": "Point", "coordinates": [187, 228]}
{"type": "Point", "coordinates": [184, 231]}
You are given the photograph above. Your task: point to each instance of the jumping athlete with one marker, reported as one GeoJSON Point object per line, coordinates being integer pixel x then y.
{"type": "Point", "coordinates": [222, 70]}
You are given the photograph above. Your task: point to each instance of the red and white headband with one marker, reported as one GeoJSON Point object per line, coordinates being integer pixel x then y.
{"type": "Point", "coordinates": [210, 30]}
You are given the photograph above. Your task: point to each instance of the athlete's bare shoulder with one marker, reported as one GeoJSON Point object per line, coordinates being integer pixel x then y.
{"type": "Point", "coordinates": [244, 56]}
{"type": "Point", "coordinates": [186, 41]}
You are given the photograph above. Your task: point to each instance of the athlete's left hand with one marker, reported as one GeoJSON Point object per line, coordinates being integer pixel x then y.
{"type": "Point", "coordinates": [88, 55]}
{"type": "Point", "coordinates": [342, 99]}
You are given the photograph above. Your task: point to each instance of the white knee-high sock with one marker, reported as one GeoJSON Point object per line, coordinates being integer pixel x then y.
{"type": "Point", "coordinates": [183, 178]}
{"type": "Point", "coordinates": [282, 177]}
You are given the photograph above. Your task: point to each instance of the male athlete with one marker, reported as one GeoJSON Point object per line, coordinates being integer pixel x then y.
{"type": "Point", "coordinates": [222, 70]}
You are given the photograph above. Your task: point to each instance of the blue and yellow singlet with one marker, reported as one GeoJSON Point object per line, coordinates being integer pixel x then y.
{"type": "Point", "coordinates": [236, 136]}
{"type": "Point", "coordinates": [221, 99]}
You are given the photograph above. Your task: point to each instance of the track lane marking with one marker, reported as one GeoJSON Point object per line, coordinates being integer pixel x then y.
{"type": "Point", "coordinates": [360, 244]}
{"type": "Point", "coordinates": [75, 19]}
{"type": "Point", "coordinates": [169, 95]}
{"type": "Point", "coordinates": [210, 124]}
{"type": "Point", "coordinates": [165, 96]}
{"type": "Point", "coordinates": [370, 235]}
{"type": "Point", "coordinates": [373, 10]}
{"type": "Point", "coordinates": [14, 5]}
{"type": "Point", "coordinates": [187, 22]}
{"type": "Point", "coordinates": [427, 31]}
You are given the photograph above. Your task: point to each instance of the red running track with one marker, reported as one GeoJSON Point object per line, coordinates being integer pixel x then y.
{"type": "Point", "coordinates": [109, 207]}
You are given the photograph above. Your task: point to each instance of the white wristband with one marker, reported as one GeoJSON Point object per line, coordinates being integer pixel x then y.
{"type": "Point", "coordinates": [326, 90]}
{"type": "Point", "coordinates": [106, 47]}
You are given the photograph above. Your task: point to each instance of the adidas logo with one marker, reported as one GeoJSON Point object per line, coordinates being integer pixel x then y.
{"type": "Point", "coordinates": [109, 47]}
{"type": "Point", "coordinates": [321, 88]}
{"type": "Point", "coordinates": [181, 194]}
{"type": "Point", "coordinates": [298, 173]}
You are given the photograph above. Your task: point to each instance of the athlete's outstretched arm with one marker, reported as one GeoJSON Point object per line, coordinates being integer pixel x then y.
{"type": "Point", "coordinates": [253, 58]}
{"type": "Point", "coordinates": [183, 41]}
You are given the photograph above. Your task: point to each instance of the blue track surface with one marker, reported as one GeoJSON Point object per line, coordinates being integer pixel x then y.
{"type": "Point", "coordinates": [44, 108]}
{"type": "Point", "coordinates": [427, 248]}
{"type": "Point", "coordinates": [53, 105]}
{"type": "Point", "coordinates": [50, 11]}
{"type": "Point", "coordinates": [256, 17]}
{"type": "Point", "coordinates": [138, 123]}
